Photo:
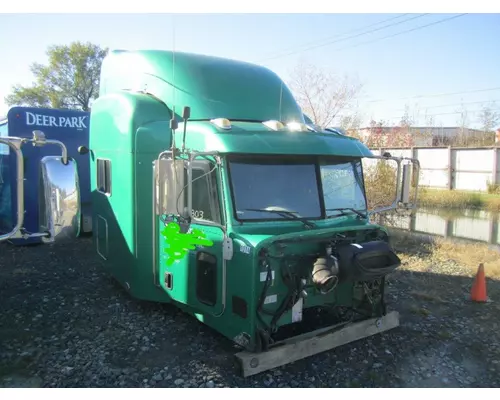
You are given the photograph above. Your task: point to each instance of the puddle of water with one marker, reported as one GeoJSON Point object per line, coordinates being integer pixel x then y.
{"type": "Point", "coordinates": [469, 225]}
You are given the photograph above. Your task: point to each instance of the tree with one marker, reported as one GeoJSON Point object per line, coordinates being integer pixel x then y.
{"type": "Point", "coordinates": [321, 94]}
{"type": "Point", "coordinates": [382, 135]}
{"type": "Point", "coordinates": [69, 80]}
{"type": "Point", "coordinates": [406, 120]}
{"type": "Point", "coordinates": [489, 119]}
{"type": "Point", "coordinates": [463, 125]}
{"type": "Point", "coordinates": [351, 123]}
{"type": "Point", "coordinates": [430, 132]}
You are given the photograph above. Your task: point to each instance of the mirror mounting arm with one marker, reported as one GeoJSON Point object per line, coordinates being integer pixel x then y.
{"type": "Point", "coordinates": [16, 143]}
{"type": "Point", "coordinates": [39, 140]}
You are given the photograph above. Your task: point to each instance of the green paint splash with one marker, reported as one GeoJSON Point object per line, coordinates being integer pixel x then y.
{"type": "Point", "coordinates": [181, 243]}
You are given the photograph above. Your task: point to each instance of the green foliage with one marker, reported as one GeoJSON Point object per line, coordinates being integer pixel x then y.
{"type": "Point", "coordinates": [493, 188]}
{"type": "Point", "coordinates": [380, 183]}
{"type": "Point", "coordinates": [70, 80]}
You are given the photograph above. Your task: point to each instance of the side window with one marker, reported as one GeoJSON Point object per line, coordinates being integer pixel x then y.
{"type": "Point", "coordinates": [104, 176]}
{"type": "Point", "coordinates": [205, 196]}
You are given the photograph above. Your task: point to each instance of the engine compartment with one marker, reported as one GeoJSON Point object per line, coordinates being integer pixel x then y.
{"type": "Point", "coordinates": [341, 281]}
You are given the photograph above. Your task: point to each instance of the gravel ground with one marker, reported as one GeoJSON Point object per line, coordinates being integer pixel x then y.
{"type": "Point", "coordinates": [65, 323]}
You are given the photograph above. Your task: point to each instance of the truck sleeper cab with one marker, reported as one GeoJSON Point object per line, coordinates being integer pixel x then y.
{"type": "Point", "coordinates": [252, 224]}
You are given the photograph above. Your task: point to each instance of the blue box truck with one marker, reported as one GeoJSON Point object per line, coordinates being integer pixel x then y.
{"type": "Point", "coordinates": [71, 127]}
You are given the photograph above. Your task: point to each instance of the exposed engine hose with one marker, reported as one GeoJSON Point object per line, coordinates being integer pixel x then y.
{"type": "Point", "coordinates": [325, 274]}
{"type": "Point", "coordinates": [325, 279]}
{"type": "Point", "coordinates": [289, 300]}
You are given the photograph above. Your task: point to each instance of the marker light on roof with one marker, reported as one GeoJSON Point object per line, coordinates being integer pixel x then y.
{"type": "Point", "coordinates": [274, 125]}
{"type": "Point", "coordinates": [222, 123]}
{"type": "Point", "coordinates": [297, 126]}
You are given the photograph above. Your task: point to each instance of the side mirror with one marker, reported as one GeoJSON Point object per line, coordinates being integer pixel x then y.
{"type": "Point", "coordinates": [59, 199]}
{"type": "Point", "coordinates": [171, 188]}
{"type": "Point", "coordinates": [402, 180]}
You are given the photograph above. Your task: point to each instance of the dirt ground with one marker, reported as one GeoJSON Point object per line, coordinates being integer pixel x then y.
{"type": "Point", "coordinates": [65, 323]}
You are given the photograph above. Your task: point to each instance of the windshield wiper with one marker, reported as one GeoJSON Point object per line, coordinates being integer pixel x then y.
{"type": "Point", "coordinates": [285, 214]}
{"type": "Point", "coordinates": [343, 213]}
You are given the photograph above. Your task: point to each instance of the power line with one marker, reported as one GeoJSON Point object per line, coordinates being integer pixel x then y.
{"type": "Point", "coordinates": [344, 33]}
{"type": "Point", "coordinates": [461, 104]}
{"type": "Point", "coordinates": [461, 112]}
{"type": "Point", "coordinates": [423, 107]}
{"type": "Point", "coordinates": [343, 39]}
{"type": "Point", "coordinates": [419, 116]}
{"type": "Point", "coordinates": [403, 32]}
{"type": "Point", "coordinates": [451, 113]}
{"type": "Point", "coordinates": [435, 95]}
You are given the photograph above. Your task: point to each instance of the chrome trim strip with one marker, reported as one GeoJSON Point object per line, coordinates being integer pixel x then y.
{"type": "Point", "coordinates": [15, 145]}
{"type": "Point", "coordinates": [155, 229]}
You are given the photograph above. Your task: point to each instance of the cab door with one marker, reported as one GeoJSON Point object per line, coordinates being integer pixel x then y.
{"type": "Point", "coordinates": [191, 265]}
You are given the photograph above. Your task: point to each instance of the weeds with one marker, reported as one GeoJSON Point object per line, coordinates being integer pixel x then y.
{"type": "Point", "coordinates": [493, 188]}
{"type": "Point", "coordinates": [454, 199]}
{"type": "Point", "coordinates": [380, 186]}
{"type": "Point", "coordinates": [469, 255]}
{"type": "Point", "coordinates": [445, 252]}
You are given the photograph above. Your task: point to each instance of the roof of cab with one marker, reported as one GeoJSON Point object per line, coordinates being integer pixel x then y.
{"type": "Point", "coordinates": [213, 87]}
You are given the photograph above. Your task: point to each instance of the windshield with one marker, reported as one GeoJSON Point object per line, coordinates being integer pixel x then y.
{"type": "Point", "coordinates": [343, 186]}
{"type": "Point", "coordinates": [274, 188]}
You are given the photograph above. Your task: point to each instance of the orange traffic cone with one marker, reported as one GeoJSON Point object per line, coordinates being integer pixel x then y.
{"type": "Point", "coordinates": [478, 291]}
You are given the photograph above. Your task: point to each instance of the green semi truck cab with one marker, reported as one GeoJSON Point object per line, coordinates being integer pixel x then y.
{"type": "Point", "coordinates": [210, 191]}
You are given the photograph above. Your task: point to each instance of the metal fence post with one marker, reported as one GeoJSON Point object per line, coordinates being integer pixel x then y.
{"type": "Point", "coordinates": [495, 165]}
{"type": "Point", "coordinates": [450, 169]}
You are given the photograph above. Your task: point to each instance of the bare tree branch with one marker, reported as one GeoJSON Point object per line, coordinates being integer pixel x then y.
{"type": "Point", "coordinates": [321, 94]}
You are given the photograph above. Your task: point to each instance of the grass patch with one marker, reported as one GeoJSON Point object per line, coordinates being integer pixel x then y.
{"type": "Point", "coordinates": [469, 255]}
{"type": "Point", "coordinates": [442, 251]}
{"type": "Point", "coordinates": [454, 199]}
{"type": "Point", "coordinates": [493, 188]}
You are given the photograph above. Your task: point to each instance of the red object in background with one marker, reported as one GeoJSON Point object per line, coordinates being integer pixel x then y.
{"type": "Point", "coordinates": [478, 290]}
